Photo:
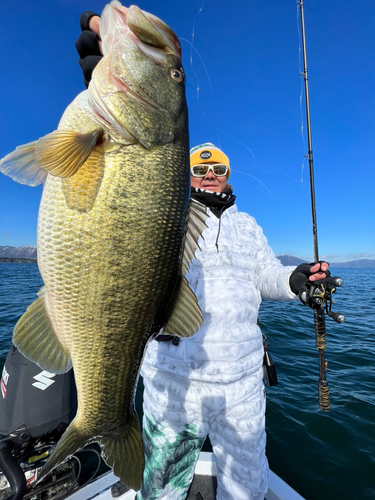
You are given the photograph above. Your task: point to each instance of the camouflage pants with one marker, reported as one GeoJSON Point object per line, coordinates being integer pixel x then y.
{"type": "Point", "coordinates": [179, 414]}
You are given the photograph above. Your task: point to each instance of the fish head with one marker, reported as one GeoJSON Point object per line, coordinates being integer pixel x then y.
{"type": "Point", "coordinates": [138, 88]}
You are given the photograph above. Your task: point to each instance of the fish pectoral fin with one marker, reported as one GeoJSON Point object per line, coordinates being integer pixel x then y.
{"type": "Point", "coordinates": [60, 153]}
{"type": "Point", "coordinates": [186, 317]}
{"type": "Point", "coordinates": [63, 152]}
{"type": "Point", "coordinates": [21, 167]}
{"type": "Point", "coordinates": [36, 339]}
{"type": "Point", "coordinates": [195, 224]}
{"type": "Point", "coordinates": [123, 451]}
{"type": "Point", "coordinates": [81, 190]}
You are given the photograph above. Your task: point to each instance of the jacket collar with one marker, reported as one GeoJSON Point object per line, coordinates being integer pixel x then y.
{"type": "Point", "coordinates": [216, 202]}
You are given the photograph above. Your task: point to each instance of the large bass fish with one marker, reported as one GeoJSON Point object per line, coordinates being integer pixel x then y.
{"type": "Point", "coordinates": [111, 233]}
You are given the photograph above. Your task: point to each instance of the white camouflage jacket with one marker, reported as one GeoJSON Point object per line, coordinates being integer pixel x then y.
{"type": "Point", "coordinates": [229, 281]}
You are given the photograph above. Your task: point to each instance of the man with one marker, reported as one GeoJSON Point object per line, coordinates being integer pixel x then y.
{"type": "Point", "coordinates": [211, 384]}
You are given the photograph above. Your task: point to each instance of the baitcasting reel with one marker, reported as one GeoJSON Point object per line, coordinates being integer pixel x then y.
{"type": "Point", "coordinates": [316, 294]}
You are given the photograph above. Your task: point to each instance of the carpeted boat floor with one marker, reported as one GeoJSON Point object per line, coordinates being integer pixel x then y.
{"type": "Point", "coordinates": [205, 486]}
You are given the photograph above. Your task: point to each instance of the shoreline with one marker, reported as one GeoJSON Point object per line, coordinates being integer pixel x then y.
{"type": "Point", "coordinates": [18, 260]}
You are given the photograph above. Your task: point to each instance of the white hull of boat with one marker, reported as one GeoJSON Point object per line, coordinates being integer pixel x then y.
{"type": "Point", "coordinates": [100, 489]}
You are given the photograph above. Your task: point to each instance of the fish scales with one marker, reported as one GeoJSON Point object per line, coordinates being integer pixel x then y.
{"type": "Point", "coordinates": [114, 270]}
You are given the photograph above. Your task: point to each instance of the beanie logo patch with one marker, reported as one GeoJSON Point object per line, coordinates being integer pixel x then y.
{"type": "Point", "coordinates": [205, 155]}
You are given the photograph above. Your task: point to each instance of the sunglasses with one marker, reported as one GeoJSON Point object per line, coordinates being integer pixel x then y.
{"type": "Point", "coordinates": [218, 169]}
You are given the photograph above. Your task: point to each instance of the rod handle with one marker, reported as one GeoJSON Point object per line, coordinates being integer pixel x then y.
{"type": "Point", "coordinates": [323, 395]}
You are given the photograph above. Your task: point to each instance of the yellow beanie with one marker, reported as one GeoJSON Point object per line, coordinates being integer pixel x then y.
{"type": "Point", "coordinates": [207, 152]}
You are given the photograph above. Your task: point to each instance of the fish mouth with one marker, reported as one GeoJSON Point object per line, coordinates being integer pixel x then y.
{"type": "Point", "coordinates": [149, 33]}
{"type": "Point", "coordinates": [123, 29]}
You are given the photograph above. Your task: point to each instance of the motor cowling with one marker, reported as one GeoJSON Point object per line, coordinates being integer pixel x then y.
{"type": "Point", "coordinates": [34, 402]}
{"type": "Point", "coordinates": [36, 406]}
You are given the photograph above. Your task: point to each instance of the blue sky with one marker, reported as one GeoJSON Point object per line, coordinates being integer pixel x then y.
{"type": "Point", "coordinates": [244, 97]}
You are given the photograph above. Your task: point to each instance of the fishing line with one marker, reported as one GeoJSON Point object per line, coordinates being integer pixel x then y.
{"type": "Point", "coordinates": [301, 197]}
{"type": "Point", "coordinates": [252, 154]}
{"type": "Point", "coordinates": [192, 46]}
{"type": "Point", "coordinates": [246, 147]}
{"type": "Point", "coordinates": [298, 19]}
{"type": "Point", "coordinates": [244, 173]}
{"type": "Point", "coordinates": [219, 130]}
{"type": "Point", "coordinates": [217, 112]}
{"type": "Point", "coordinates": [214, 98]}
{"type": "Point", "coordinates": [254, 157]}
{"type": "Point", "coordinates": [197, 77]}
{"type": "Point", "coordinates": [193, 34]}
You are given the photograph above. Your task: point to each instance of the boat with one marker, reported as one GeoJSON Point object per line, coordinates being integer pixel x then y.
{"type": "Point", "coordinates": [27, 438]}
{"type": "Point", "coordinates": [203, 487]}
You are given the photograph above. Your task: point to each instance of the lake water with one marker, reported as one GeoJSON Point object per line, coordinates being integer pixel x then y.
{"type": "Point", "coordinates": [324, 456]}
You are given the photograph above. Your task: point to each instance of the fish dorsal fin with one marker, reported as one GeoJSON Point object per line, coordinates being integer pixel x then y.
{"type": "Point", "coordinates": [186, 317]}
{"type": "Point", "coordinates": [36, 339]}
{"type": "Point", "coordinates": [60, 153]}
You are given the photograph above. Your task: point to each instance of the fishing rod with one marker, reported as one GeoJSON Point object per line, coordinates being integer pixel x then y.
{"type": "Point", "coordinates": [315, 294]}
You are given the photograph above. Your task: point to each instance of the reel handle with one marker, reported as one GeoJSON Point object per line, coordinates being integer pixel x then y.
{"type": "Point", "coordinates": [338, 317]}
{"type": "Point", "coordinates": [317, 294]}
{"type": "Point", "coordinates": [334, 280]}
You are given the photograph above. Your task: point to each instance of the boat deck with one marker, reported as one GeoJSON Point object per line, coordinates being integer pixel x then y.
{"type": "Point", "coordinates": [203, 486]}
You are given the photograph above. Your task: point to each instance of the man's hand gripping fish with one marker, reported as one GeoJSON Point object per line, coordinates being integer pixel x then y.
{"type": "Point", "coordinates": [115, 233]}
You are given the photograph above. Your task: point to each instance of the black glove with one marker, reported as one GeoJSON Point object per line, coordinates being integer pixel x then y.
{"type": "Point", "coordinates": [87, 47]}
{"type": "Point", "coordinates": [301, 274]}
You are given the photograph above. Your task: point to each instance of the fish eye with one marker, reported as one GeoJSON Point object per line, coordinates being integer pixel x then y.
{"type": "Point", "coordinates": [177, 75]}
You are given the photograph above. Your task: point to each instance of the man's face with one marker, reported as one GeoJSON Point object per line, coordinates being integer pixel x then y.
{"type": "Point", "coordinates": [210, 182]}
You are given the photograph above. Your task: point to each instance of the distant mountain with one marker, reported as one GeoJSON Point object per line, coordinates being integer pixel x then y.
{"type": "Point", "coordinates": [288, 260]}
{"type": "Point", "coordinates": [28, 254]}
{"type": "Point", "coordinates": [356, 264]}
{"type": "Point", "coordinates": [17, 254]}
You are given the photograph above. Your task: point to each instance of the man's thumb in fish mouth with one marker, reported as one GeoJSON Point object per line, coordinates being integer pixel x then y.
{"type": "Point", "coordinates": [88, 44]}
{"type": "Point", "coordinates": [90, 20]}
{"type": "Point", "coordinates": [94, 25]}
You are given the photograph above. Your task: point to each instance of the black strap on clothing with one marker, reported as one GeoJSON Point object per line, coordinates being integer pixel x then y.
{"type": "Point", "coordinates": [216, 202]}
{"type": "Point", "coordinates": [166, 338]}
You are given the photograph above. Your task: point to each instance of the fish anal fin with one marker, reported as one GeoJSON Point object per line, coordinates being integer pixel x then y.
{"type": "Point", "coordinates": [186, 317]}
{"type": "Point", "coordinates": [123, 451]}
{"type": "Point", "coordinates": [36, 339]}
{"type": "Point", "coordinates": [21, 167]}
{"type": "Point", "coordinates": [70, 442]}
{"type": "Point", "coordinates": [80, 191]}
{"type": "Point", "coordinates": [63, 152]}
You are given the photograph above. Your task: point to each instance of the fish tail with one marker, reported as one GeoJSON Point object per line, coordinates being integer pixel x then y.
{"type": "Point", "coordinates": [123, 451]}
{"type": "Point", "coordinates": [70, 442]}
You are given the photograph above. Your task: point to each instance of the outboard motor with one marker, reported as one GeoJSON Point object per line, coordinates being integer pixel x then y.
{"type": "Point", "coordinates": [35, 408]}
